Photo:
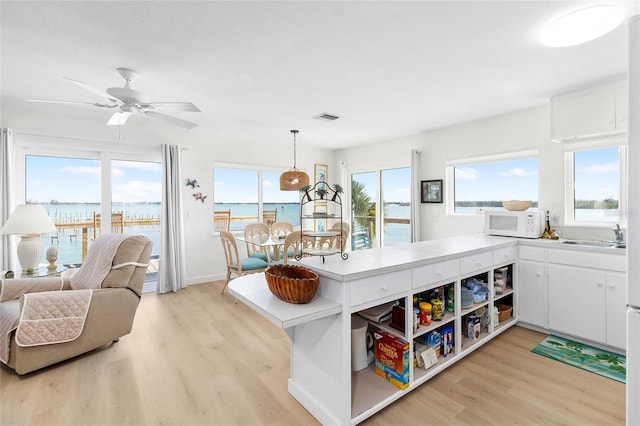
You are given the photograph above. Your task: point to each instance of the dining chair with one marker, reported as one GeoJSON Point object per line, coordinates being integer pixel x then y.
{"type": "Point", "coordinates": [117, 223]}
{"type": "Point", "coordinates": [279, 230]}
{"type": "Point", "coordinates": [236, 265]}
{"type": "Point", "coordinates": [294, 243]}
{"type": "Point", "coordinates": [256, 232]}
{"type": "Point", "coordinates": [269, 216]}
{"type": "Point", "coordinates": [221, 220]}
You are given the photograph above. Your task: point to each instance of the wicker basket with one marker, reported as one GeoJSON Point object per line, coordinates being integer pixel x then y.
{"type": "Point", "coordinates": [504, 312]}
{"type": "Point", "coordinates": [291, 283]}
{"type": "Point", "coordinates": [516, 205]}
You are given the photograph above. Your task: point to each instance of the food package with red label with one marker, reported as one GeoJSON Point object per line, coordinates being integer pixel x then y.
{"type": "Point", "coordinates": [391, 358]}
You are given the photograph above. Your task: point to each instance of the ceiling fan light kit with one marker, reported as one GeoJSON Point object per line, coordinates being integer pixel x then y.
{"type": "Point", "coordinates": [131, 101]}
{"type": "Point", "coordinates": [293, 179]}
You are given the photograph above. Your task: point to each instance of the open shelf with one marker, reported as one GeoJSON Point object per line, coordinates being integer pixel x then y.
{"type": "Point", "coordinates": [447, 318]}
{"type": "Point", "coordinates": [368, 389]}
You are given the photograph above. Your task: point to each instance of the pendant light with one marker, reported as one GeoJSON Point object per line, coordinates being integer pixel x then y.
{"type": "Point", "coordinates": [293, 179]}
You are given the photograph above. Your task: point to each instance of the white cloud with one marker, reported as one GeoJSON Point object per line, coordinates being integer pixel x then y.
{"type": "Point", "coordinates": [139, 165]}
{"type": "Point", "coordinates": [81, 170]}
{"type": "Point", "coordinates": [267, 183]}
{"type": "Point", "coordinates": [138, 191]}
{"type": "Point", "coordinates": [598, 169]}
{"type": "Point", "coordinates": [466, 173]}
{"type": "Point", "coordinates": [518, 171]}
{"type": "Point", "coordinates": [115, 172]}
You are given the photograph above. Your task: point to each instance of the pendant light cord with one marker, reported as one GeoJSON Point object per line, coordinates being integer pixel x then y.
{"type": "Point", "coordinates": [294, 147]}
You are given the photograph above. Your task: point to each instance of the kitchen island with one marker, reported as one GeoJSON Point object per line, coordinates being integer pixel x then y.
{"type": "Point", "coordinates": [320, 332]}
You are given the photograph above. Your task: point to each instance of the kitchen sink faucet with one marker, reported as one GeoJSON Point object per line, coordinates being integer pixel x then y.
{"type": "Point", "coordinates": [618, 232]}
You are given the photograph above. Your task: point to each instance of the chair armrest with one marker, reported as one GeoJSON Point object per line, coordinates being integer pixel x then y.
{"type": "Point", "coordinates": [11, 289]}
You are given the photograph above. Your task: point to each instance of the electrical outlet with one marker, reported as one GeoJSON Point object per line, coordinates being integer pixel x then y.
{"type": "Point", "coordinates": [435, 218]}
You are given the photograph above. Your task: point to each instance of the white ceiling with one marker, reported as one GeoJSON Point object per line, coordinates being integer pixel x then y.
{"type": "Point", "coordinates": [258, 69]}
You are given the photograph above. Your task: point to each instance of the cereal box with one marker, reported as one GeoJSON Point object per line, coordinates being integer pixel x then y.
{"type": "Point", "coordinates": [391, 359]}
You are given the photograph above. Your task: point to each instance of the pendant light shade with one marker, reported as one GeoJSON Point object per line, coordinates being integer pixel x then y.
{"type": "Point", "coordinates": [293, 179]}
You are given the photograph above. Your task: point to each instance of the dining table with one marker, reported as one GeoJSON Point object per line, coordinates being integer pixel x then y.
{"type": "Point", "coordinates": [270, 246]}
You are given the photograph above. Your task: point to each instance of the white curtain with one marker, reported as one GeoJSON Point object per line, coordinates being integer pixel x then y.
{"type": "Point", "coordinates": [7, 173]}
{"type": "Point", "coordinates": [172, 274]}
{"type": "Point", "coordinates": [415, 195]}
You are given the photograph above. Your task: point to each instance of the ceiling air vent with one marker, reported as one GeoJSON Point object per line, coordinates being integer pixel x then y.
{"type": "Point", "coordinates": [327, 117]}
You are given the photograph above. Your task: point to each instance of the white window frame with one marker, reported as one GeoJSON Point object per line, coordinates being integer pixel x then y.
{"type": "Point", "coordinates": [105, 153]}
{"type": "Point", "coordinates": [451, 164]}
{"type": "Point", "coordinates": [260, 169]}
{"type": "Point", "coordinates": [569, 201]}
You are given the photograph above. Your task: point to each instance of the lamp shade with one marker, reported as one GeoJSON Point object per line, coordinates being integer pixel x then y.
{"type": "Point", "coordinates": [293, 180]}
{"type": "Point", "coordinates": [28, 219]}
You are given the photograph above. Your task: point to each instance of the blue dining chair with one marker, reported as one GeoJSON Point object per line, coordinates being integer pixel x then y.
{"type": "Point", "coordinates": [236, 265]}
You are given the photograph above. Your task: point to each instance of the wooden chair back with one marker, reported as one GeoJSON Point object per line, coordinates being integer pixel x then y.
{"type": "Point", "coordinates": [294, 243]}
{"type": "Point", "coordinates": [256, 232]}
{"type": "Point", "coordinates": [279, 230]}
{"type": "Point", "coordinates": [221, 220]}
{"type": "Point", "coordinates": [230, 248]}
{"type": "Point", "coordinates": [269, 216]}
{"type": "Point", "coordinates": [117, 223]}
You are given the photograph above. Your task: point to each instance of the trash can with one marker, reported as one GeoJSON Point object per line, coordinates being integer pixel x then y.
{"type": "Point", "coordinates": [359, 347]}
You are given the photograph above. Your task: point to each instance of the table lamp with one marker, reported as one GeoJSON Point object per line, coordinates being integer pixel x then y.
{"type": "Point", "coordinates": [29, 221]}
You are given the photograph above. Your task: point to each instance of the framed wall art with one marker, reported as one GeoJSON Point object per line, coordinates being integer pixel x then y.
{"type": "Point", "coordinates": [320, 175]}
{"type": "Point", "coordinates": [431, 191]}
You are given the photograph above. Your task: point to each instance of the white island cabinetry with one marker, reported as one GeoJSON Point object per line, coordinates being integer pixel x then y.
{"type": "Point", "coordinates": [321, 376]}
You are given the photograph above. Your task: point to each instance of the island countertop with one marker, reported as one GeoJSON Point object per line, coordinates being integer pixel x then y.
{"type": "Point", "coordinates": [365, 263]}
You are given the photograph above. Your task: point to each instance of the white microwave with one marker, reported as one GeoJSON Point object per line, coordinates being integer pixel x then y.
{"type": "Point", "coordinates": [526, 224]}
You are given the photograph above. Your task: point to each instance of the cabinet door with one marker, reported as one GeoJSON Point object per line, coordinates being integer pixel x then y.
{"type": "Point", "coordinates": [577, 302]}
{"type": "Point", "coordinates": [616, 310]}
{"type": "Point", "coordinates": [531, 301]}
{"type": "Point", "coordinates": [589, 112]}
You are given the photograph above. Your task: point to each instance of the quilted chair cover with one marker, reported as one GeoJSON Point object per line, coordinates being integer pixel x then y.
{"type": "Point", "coordinates": [61, 318]}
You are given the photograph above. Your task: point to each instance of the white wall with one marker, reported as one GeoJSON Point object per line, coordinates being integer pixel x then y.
{"type": "Point", "coordinates": [205, 259]}
{"type": "Point", "coordinates": [517, 131]}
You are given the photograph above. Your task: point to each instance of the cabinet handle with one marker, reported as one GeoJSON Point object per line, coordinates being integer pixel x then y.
{"type": "Point", "coordinates": [478, 263]}
{"type": "Point", "coordinates": [383, 288]}
{"type": "Point", "coordinates": [600, 284]}
{"type": "Point", "coordinates": [538, 274]}
{"type": "Point", "coordinates": [438, 273]}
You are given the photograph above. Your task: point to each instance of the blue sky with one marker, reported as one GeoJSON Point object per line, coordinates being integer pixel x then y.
{"type": "Point", "coordinates": [78, 180]}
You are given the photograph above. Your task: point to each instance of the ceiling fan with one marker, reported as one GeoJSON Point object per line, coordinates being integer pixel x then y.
{"type": "Point", "coordinates": [130, 101]}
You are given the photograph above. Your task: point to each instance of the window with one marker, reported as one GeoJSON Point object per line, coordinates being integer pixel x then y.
{"type": "Point", "coordinates": [73, 192]}
{"type": "Point", "coordinates": [484, 182]}
{"type": "Point", "coordinates": [253, 195]}
{"type": "Point", "coordinates": [382, 196]}
{"type": "Point", "coordinates": [595, 181]}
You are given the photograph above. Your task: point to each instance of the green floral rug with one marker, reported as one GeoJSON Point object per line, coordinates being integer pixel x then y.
{"type": "Point", "coordinates": [594, 360]}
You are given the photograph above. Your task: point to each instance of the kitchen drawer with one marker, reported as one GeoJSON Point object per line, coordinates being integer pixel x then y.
{"type": "Point", "coordinates": [476, 262]}
{"type": "Point", "coordinates": [379, 287]}
{"type": "Point", "coordinates": [613, 262]}
{"type": "Point", "coordinates": [434, 273]}
{"type": "Point", "coordinates": [531, 253]}
{"type": "Point", "coordinates": [505, 255]}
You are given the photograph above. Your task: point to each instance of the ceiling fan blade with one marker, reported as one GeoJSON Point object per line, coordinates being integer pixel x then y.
{"type": "Point", "coordinates": [71, 102]}
{"type": "Point", "coordinates": [95, 90]}
{"type": "Point", "coordinates": [171, 106]}
{"type": "Point", "coordinates": [173, 120]}
{"type": "Point", "coordinates": [118, 119]}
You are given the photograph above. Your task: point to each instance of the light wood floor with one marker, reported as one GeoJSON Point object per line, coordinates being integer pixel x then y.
{"type": "Point", "coordinates": [197, 358]}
